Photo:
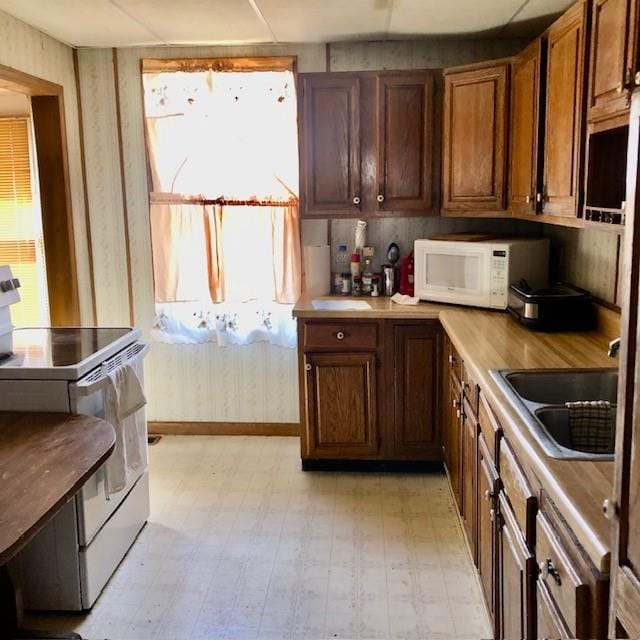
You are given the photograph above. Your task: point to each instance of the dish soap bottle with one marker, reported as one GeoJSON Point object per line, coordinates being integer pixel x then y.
{"type": "Point", "coordinates": [367, 278]}
{"type": "Point", "coordinates": [406, 275]}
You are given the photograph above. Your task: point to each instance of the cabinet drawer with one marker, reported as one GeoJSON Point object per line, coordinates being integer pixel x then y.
{"type": "Point", "coordinates": [340, 335]}
{"type": "Point", "coordinates": [490, 428]}
{"type": "Point", "coordinates": [559, 575]}
{"type": "Point", "coordinates": [517, 488]}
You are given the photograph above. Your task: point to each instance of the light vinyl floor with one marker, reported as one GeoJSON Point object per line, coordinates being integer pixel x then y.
{"type": "Point", "coordinates": [243, 544]}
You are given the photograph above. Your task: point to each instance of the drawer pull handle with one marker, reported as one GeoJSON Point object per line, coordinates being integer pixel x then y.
{"type": "Point", "coordinates": [488, 495]}
{"type": "Point", "coordinates": [307, 367]}
{"type": "Point", "coordinates": [340, 335]}
{"type": "Point", "coordinates": [548, 569]}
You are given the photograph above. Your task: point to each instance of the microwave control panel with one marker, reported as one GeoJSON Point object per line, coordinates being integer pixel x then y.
{"type": "Point", "coordinates": [499, 285]}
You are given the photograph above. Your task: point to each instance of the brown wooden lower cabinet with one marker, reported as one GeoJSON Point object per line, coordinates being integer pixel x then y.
{"type": "Point", "coordinates": [370, 390]}
{"type": "Point", "coordinates": [517, 570]}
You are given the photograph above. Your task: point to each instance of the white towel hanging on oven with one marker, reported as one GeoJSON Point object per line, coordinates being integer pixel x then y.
{"type": "Point", "coordinates": [124, 399]}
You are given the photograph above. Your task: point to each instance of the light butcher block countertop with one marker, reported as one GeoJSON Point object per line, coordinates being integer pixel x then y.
{"type": "Point", "coordinates": [494, 340]}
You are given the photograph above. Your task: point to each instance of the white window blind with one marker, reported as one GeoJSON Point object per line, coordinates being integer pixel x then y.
{"type": "Point", "coordinates": [21, 239]}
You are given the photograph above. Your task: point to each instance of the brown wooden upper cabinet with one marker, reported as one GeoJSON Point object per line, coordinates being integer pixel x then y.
{"type": "Point", "coordinates": [405, 168]}
{"type": "Point", "coordinates": [564, 120]}
{"type": "Point", "coordinates": [614, 63]}
{"type": "Point", "coordinates": [527, 103]}
{"type": "Point", "coordinates": [474, 138]}
{"type": "Point", "coordinates": [369, 143]}
{"type": "Point", "coordinates": [330, 143]}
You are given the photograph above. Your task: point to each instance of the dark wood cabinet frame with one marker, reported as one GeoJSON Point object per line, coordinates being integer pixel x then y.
{"type": "Point", "coordinates": [47, 105]}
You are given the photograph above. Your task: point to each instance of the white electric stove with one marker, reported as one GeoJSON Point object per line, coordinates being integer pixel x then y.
{"type": "Point", "coordinates": [69, 562]}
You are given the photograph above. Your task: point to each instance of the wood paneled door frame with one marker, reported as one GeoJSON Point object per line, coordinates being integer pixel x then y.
{"type": "Point", "coordinates": [47, 108]}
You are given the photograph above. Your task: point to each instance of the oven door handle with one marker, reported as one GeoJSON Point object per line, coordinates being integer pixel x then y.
{"type": "Point", "coordinates": [96, 379]}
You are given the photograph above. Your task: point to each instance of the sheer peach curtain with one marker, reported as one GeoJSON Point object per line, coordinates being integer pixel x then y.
{"type": "Point", "coordinates": [215, 140]}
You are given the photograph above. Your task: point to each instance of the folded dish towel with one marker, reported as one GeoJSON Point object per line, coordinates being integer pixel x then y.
{"type": "Point", "coordinates": [592, 426]}
{"type": "Point", "coordinates": [399, 298]}
{"type": "Point", "coordinates": [124, 399]}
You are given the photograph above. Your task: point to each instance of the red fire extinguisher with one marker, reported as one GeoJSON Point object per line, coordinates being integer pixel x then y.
{"type": "Point", "coordinates": [406, 275]}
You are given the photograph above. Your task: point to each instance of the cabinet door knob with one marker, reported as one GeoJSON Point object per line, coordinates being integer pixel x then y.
{"type": "Point", "coordinates": [451, 359]}
{"type": "Point", "coordinates": [548, 569]}
{"type": "Point", "coordinates": [340, 335]}
{"type": "Point", "coordinates": [454, 403]}
{"type": "Point", "coordinates": [619, 87]}
{"type": "Point", "coordinates": [527, 199]}
{"type": "Point", "coordinates": [538, 197]}
{"type": "Point", "coordinates": [458, 413]}
{"type": "Point", "coordinates": [610, 509]}
{"type": "Point", "coordinates": [492, 515]}
{"type": "Point", "coordinates": [356, 200]}
{"type": "Point", "coordinates": [307, 367]}
{"type": "Point", "coordinates": [637, 78]}
{"type": "Point", "coordinates": [380, 198]}
{"type": "Point", "coordinates": [488, 495]}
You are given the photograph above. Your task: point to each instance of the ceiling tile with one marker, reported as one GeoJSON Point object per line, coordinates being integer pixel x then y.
{"type": "Point", "coordinates": [325, 20]}
{"type": "Point", "coordinates": [96, 23]}
{"type": "Point", "coordinates": [463, 16]}
{"type": "Point", "coordinates": [199, 21]}
{"type": "Point", "coordinates": [535, 17]}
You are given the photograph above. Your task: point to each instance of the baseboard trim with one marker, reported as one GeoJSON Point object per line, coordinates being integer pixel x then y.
{"type": "Point", "coordinates": [393, 466]}
{"type": "Point", "coordinates": [224, 428]}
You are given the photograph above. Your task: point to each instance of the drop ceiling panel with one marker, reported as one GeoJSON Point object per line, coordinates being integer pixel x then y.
{"type": "Point", "coordinates": [96, 23]}
{"type": "Point", "coordinates": [199, 21]}
{"type": "Point", "coordinates": [325, 20]}
{"type": "Point", "coordinates": [534, 17]}
{"type": "Point", "coordinates": [463, 16]}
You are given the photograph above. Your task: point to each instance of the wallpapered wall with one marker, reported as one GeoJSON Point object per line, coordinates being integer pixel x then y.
{"type": "Point", "coordinates": [29, 50]}
{"type": "Point", "coordinates": [205, 382]}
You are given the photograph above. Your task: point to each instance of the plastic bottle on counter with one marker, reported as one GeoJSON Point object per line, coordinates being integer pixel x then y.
{"type": "Point", "coordinates": [356, 286]}
{"type": "Point", "coordinates": [367, 277]}
{"type": "Point", "coordinates": [345, 289]}
{"type": "Point", "coordinates": [355, 264]}
{"type": "Point", "coordinates": [375, 285]}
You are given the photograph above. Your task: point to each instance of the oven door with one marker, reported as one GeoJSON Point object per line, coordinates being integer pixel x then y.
{"type": "Point", "coordinates": [454, 272]}
{"type": "Point", "coordinates": [93, 507]}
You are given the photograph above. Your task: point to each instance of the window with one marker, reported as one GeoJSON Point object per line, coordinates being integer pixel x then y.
{"type": "Point", "coordinates": [21, 239]}
{"type": "Point", "coordinates": [223, 160]}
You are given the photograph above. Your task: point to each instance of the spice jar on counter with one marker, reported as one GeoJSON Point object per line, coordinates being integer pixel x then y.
{"type": "Point", "coordinates": [356, 286]}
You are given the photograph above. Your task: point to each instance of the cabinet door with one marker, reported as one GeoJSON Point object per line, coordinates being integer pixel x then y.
{"type": "Point", "coordinates": [516, 571]}
{"type": "Point", "coordinates": [613, 58]}
{"type": "Point", "coordinates": [455, 442]}
{"type": "Point", "coordinates": [624, 508]}
{"type": "Point", "coordinates": [525, 166]}
{"type": "Point", "coordinates": [474, 141]}
{"type": "Point", "coordinates": [406, 179]}
{"type": "Point", "coordinates": [329, 143]}
{"type": "Point", "coordinates": [487, 481]}
{"type": "Point", "coordinates": [564, 135]}
{"type": "Point", "coordinates": [550, 623]}
{"type": "Point", "coordinates": [469, 474]}
{"type": "Point", "coordinates": [416, 357]}
{"type": "Point", "coordinates": [340, 396]}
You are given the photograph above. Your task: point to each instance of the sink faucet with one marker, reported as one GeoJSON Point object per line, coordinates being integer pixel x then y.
{"type": "Point", "coordinates": [614, 347]}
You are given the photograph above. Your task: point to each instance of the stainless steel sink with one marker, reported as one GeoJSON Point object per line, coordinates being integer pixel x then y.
{"type": "Point", "coordinates": [538, 395]}
{"type": "Point", "coordinates": [560, 386]}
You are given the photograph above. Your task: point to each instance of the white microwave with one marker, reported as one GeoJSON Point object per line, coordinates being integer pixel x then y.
{"type": "Point", "coordinates": [478, 274]}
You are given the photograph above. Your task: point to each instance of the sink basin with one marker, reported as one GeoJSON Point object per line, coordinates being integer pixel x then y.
{"type": "Point", "coordinates": [341, 305]}
{"type": "Point", "coordinates": [560, 386]}
{"type": "Point", "coordinates": [539, 395]}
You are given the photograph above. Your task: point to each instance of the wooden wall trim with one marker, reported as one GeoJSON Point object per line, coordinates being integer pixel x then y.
{"type": "Point", "coordinates": [125, 207]}
{"type": "Point", "coordinates": [225, 428]}
{"type": "Point", "coordinates": [85, 191]}
{"type": "Point", "coordinates": [47, 107]}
